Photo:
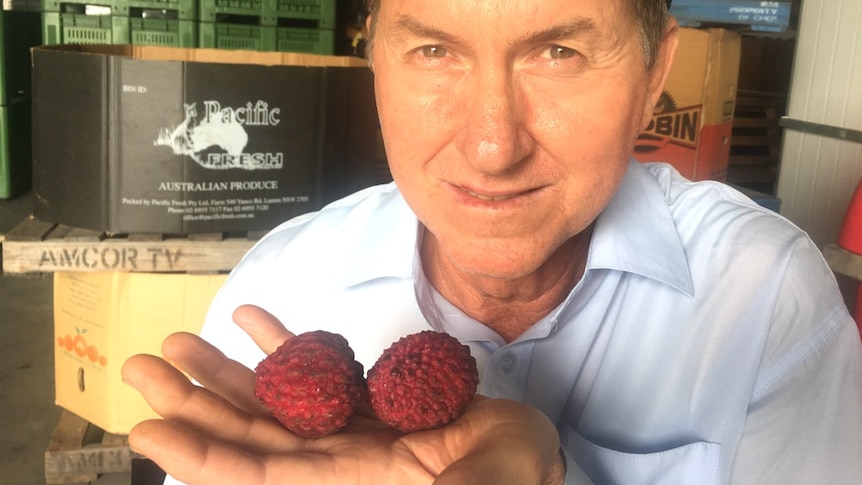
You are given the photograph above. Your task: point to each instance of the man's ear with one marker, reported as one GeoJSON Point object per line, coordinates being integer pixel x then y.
{"type": "Point", "coordinates": [369, 42]}
{"type": "Point", "coordinates": [661, 68]}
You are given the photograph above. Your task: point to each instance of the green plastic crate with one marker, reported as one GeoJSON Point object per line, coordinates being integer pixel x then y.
{"type": "Point", "coordinates": [317, 14]}
{"type": "Point", "coordinates": [182, 9]}
{"type": "Point", "coordinates": [170, 33]}
{"type": "Point", "coordinates": [266, 38]}
{"type": "Point", "coordinates": [75, 5]}
{"type": "Point", "coordinates": [177, 9]}
{"type": "Point", "coordinates": [307, 41]}
{"type": "Point", "coordinates": [71, 28]}
{"type": "Point", "coordinates": [15, 149]}
{"type": "Point", "coordinates": [166, 9]}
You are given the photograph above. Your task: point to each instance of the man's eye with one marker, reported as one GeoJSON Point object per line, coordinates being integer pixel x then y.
{"type": "Point", "coordinates": [559, 52]}
{"type": "Point", "coordinates": [433, 51]}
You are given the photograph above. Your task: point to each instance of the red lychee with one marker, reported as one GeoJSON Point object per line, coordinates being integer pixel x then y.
{"type": "Point", "coordinates": [311, 383]}
{"type": "Point", "coordinates": [423, 381]}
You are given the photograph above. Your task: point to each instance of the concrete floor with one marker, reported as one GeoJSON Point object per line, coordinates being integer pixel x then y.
{"type": "Point", "coordinates": [27, 410]}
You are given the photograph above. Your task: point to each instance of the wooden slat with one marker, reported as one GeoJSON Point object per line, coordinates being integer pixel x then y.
{"type": "Point", "coordinates": [69, 433]}
{"type": "Point", "coordinates": [255, 235]}
{"type": "Point", "coordinates": [38, 247]}
{"type": "Point", "coordinates": [749, 160]}
{"type": "Point", "coordinates": [145, 236]}
{"type": "Point", "coordinates": [29, 230]}
{"type": "Point", "coordinates": [743, 140]}
{"type": "Point", "coordinates": [123, 255]}
{"type": "Point", "coordinates": [207, 236]}
{"type": "Point", "coordinates": [59, 232]}
{"type": "Point", "coordinates": [754, 122]}
{"type": "Point", "coordinates": [84, 235]}
{"type": "Point", "coordinates": [71, 459]}
{"type": "Point", "coordinates": [739, 175]}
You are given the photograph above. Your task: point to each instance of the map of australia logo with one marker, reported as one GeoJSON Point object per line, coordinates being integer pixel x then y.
{"type": "Point", "coordinates": [218, 141]}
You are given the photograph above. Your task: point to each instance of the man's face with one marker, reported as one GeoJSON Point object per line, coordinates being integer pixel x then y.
{"type": "Point", "coordinates": [508, 125]}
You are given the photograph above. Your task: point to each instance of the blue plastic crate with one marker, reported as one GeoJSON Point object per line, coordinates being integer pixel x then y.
{"type": "Point", "coordinates": [757, 15]}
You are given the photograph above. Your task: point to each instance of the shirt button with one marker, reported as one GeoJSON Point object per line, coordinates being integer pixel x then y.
{"type": "Point", "coordinates": [508, 362]}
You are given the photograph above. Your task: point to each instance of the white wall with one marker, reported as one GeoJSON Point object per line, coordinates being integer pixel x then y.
{"type": "Point", "coordinates": [818, 174]}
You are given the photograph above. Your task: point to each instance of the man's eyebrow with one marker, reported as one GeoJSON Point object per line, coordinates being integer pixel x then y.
{"type": "Point", "coordinates": [409, 25]}
{"type": "Point", "coordinates": [579, 27]}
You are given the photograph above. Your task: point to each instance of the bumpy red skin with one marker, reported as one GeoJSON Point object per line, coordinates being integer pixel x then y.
{"type": "Point", "coordinates": [312, 384]}
{"type": "Point", "coordinates": [423, 381]}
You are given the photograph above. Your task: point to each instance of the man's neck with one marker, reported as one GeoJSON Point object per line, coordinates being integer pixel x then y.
{"type": "Point", "coordinates": [508, 306]}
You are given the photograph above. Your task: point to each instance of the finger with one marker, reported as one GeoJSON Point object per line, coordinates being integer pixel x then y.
{"type": "Point", "coordinates": [210, 367]}
{"type": "Point", "coordinates": [266, 331]}
{"type": "Point", "coordinates": [195, 459]}
{"type": "Point", "coordinates": [191, 458]}
{"type": "Point", "coordinates": [174, 397]}
{"type": "Point", "coordinates": [516, 444]}
{"type": "Point", "coordinates": [489, 465]}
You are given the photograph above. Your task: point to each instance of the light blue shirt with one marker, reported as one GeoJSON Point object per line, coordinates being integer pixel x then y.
{"type": "Point", "coordinates": [706, 342]}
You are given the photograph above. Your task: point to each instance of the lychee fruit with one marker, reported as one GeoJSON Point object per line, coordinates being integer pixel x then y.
{"type": "Point", "coordinates": [423, 381]}
{"type": "Point", "coordinates": [311, 383]}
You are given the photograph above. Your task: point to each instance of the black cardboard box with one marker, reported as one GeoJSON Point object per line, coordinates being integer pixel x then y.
{"type": "Point", "coordinates": [176, 140]}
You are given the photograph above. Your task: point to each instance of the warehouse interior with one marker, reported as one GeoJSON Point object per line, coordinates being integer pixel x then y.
{"type": "Point", "coordinates": [772, 55]}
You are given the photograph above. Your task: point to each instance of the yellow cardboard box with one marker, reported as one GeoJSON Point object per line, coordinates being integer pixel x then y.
{"type": "Point", "coordinates": [102, 319]}
{"type": "Point", "coordinates": [693, 121]}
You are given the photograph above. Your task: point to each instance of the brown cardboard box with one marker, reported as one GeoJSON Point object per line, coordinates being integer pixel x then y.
{"type": "Point", "coordinates": [693, 121]}
{"type": "Point", "coordinates": [102, 319]}
{"type": "Point", "coordinates": [179, 140]}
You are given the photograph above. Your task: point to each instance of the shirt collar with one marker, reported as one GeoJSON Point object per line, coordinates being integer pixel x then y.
{"type": "Point", "coordinates": [386, 241]}
{"type": "Point", "coordinates": [635, 233]}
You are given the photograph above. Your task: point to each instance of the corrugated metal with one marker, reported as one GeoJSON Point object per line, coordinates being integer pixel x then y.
{"type": "Point", "coordinates": [818, 174]}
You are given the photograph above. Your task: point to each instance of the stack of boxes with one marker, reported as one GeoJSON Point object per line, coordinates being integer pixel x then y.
{"type": "Point", "coordinates": [269, 25]}
{"type": "Point", "coordinates": [218, 141]}
{"type": "Point", "coordinates": [306, 26]}
{"type": "Point", "coordinates": [302, 26]}
{"type": "Point", "coordinates": [152, 22]}
{"type": "Point", "coordinates": [692, 123]}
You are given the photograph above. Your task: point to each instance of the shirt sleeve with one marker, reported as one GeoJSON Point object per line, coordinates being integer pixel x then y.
{"type": "Point", "coordinates": [804, 423]}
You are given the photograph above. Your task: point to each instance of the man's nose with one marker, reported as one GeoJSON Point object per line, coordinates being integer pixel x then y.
{"type": "Point", "coordinates": [494, 139]}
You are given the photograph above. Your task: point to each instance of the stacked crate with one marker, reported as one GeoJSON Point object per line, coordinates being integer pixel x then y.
{"type": "Point", "coordinates": [19, 30]}
{"type": "Point", "coordinates": [306, 26]}
{"type": "Point", "coordinates": [170, 23]}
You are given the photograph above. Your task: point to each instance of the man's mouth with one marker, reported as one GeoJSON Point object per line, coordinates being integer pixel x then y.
{"type": "Point", "coordinates": [493, 198]}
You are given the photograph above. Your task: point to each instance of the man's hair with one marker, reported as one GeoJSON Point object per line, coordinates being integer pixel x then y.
{"type": "Point", "coordinates": [650, 15]}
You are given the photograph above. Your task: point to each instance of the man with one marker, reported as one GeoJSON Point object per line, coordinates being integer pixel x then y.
{"type": "Point", "coordinates": [630, 326]}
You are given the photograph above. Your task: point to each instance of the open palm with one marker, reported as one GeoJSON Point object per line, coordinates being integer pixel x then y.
{"type": "Point", "coordinates": [218, 432]}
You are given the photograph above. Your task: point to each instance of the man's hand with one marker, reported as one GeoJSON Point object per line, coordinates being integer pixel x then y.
{"type": "Point", "coordinates": [219, 433]}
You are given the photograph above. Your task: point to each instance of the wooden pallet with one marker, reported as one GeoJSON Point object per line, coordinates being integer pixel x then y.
{"type": "Point", "coordinates": [756, 141]}
{"type": "Point", "coordinates": [35, 246]}
{"type": "Point", "coordinates": [81, 452]}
